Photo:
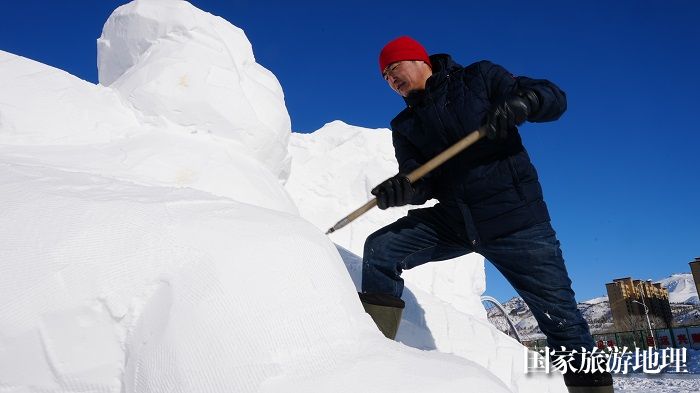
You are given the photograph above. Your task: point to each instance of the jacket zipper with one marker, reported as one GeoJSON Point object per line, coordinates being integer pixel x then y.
{"type": "Point", "coordinates": [516, 179]}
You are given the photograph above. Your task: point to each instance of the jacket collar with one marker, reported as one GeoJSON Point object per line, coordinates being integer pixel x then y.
{"type": "Point", "coordinates": [443, 63]}
{"type": "Point", "coordinates": [442, 66]}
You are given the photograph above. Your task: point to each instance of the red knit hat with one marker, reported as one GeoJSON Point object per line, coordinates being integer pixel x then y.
{"type": "Point", "coordinates": [402, 48]}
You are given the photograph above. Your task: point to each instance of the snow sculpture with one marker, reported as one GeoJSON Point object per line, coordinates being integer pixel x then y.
{"type": "Point", "coordinates": [147, 244]}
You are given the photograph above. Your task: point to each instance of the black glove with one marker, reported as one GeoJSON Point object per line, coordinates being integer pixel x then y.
{"type": "Point", "coordinates": [510, 113]}
{"type": "Point", "coordinates": [394, 191]}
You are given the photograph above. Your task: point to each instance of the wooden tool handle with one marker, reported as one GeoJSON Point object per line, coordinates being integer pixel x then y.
{"type": "Point", "coordinates": [418, 173]}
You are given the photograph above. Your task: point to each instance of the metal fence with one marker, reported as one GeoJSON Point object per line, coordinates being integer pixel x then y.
{"type": "Point", "coordinates": [677, 337]}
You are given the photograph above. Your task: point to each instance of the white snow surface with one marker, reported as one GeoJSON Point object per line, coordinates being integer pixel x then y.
{"type": "Point", "coordinates": [668, 382]}
{"type": "Point", "coordinates": [147, 242]}
{"type": "Point", "coordinates": [597, 300]}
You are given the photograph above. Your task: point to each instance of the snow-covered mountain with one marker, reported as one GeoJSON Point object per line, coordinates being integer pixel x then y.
{"type": "Point", "coordinates": [595, 311]}
{"type": "Point", "coordinates": [681, 288]}
{"type": "Point", "coordinates": [147, 243]}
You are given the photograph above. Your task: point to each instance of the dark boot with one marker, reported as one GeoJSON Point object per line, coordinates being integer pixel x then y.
{"type": "Point", "coordinates": [588, 382]}
{"type": "Point", "coordinates": [385, 311]}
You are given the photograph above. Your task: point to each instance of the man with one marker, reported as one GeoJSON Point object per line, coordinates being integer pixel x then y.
{"type": "Point", "coordinates": [490, 198]}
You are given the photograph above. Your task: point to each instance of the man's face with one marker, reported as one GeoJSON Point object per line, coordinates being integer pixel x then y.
{"type": "Point", "coordinates": [406, 76]}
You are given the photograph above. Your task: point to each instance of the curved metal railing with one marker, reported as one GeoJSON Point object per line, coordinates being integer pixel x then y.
{"type": "Point", "coordinates": [498, 305]}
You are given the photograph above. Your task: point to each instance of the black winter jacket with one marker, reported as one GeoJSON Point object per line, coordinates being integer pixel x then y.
{"type": "Point", "coordinates": [492, 185]}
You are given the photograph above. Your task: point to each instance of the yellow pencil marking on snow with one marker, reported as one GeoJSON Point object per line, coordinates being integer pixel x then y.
{"type": "Point", "coordinates": [185, 176]}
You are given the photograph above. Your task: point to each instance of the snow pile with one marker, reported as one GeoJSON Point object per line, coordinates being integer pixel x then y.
{"type": "Point", "coordinates": [681, 288]}
{"type": "Point", "coordinates": [145, 289]}
{"type": "Point", "coordinates": [147, 244]}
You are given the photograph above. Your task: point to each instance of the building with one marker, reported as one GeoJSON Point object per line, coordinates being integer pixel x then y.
{"type": "Point", "coordinates": [695, 269]}
{"type": "Point", "coordinates": [630, 298]}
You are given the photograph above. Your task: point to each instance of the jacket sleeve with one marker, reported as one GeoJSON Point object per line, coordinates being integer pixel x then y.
{"type": "Point", "coordinates": [408, 158]}
{"type": "Point", "coordinates": [501, 83]}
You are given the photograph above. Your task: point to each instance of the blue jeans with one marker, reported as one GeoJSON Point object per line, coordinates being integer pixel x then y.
{"type": "Point", "coordinates": [530, 260]}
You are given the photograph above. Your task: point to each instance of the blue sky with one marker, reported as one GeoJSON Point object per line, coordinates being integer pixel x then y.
{"type": "Point", "coordinates": [619, 169]}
